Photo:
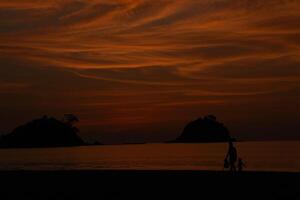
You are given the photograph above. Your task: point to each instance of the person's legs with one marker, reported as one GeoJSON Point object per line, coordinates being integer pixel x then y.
{"type": "Point", "coordinates": [232, 166]}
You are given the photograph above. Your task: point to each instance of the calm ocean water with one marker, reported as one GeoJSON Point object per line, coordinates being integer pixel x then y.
{"type": "Point", "coordinates": [265, 156]}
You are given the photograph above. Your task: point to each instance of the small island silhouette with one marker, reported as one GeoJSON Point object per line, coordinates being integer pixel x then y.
{"type": "Point", "coordinates": [204, 130]}
{"type": "Point", "coordinates": [44, 132]}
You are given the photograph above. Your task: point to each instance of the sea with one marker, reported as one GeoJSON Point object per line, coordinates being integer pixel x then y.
{"type": "Point", "coordinates": [258, 156]}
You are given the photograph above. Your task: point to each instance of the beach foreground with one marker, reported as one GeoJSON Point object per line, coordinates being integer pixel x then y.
{"type": "Point", "coordinates": [109, 184]}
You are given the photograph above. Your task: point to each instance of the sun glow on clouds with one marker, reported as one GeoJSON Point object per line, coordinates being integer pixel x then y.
{"type": "Point", "coordinates": [122, 63]}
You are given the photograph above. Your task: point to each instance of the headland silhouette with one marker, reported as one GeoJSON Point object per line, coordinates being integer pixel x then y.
{"type": "Point", "coordinates": [204, 130]}
{"type": "Point", "coordinates": [44, 132]}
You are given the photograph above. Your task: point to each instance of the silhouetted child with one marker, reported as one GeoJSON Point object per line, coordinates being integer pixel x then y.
{"type": "Point", "coordinates": [241, 165]}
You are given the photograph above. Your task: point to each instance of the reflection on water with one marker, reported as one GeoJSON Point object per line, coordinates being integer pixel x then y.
{"type": "Point", "coordinates": [271, 156]}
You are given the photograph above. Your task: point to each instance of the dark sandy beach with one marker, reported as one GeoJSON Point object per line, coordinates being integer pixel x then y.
{"type": "Point", "coordinates": [148, 185]}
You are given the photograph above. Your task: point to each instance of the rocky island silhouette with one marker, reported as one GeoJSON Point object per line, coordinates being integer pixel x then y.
{"type": "Point", "coordinates": [204, 130]}
{"type": "Point", "coordinates": [44, 132]}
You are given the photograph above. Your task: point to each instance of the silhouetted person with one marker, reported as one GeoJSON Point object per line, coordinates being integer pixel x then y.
{"type": "Point", "coordinates": [226, 164]}
{"type": "Point", "coordinates": [232, 156]}
{"type": "Point", "coordinates": [241, 165]}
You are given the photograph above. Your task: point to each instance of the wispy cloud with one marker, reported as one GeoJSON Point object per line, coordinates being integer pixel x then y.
{"type": "Point", "coordinates": [173, 53]}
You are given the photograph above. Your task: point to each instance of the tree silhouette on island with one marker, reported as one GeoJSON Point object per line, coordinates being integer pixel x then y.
{"type": "Point", "coordinates": [44, 132]}
{"type": "Point", "coordinates": [204, 130]}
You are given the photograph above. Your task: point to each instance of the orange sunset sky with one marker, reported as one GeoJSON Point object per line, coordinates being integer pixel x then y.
{"type": "Point", "coordinates": [139, 70]}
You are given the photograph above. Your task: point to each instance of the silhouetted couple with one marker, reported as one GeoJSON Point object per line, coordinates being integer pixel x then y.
{"type": "Point", "coordinates": [231, 157]}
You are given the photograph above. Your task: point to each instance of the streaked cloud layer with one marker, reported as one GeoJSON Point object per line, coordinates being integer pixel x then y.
{"type": "Point", "coordinates": [143, 68]}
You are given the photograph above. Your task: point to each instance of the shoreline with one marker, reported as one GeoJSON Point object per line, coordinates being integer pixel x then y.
{"type": "Point", "coordinates": [142, 143]}
{"type": "Point", "coordinates": [145, 171]}
{"type": "Point", "coordinates": [148, 184]}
